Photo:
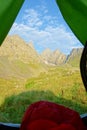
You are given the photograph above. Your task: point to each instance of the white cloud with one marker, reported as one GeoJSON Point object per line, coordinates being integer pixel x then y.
{"type": "Point", "coordinates": [44, 31]}
{"type": "Point", "coordinates": [32, 18]}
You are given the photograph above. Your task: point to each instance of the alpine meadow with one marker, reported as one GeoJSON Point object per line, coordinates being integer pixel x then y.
{"type": "Point", "coordinates": [27, 77]}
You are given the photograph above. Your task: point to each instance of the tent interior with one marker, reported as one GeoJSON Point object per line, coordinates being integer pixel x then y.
{"type": "Point", "coordinates": [67, 8]}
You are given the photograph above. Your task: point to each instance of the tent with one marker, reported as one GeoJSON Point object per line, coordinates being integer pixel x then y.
{"type": "Point", "coordinates": [74, 13]}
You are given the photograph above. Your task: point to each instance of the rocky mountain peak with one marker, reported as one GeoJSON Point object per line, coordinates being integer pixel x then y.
{"type": "Point", "coordinates": [14, 47]}
{"type": "Point", "coordinates": [46, 52]}
{"type": "Point", "coordinates": [76, 51]}
{"type": "Point", "coordinates": [74, 57]}
{"type": "Point", "coordinates": [54, 58]}
{"type": "Point", "coordinates": [31, 45]}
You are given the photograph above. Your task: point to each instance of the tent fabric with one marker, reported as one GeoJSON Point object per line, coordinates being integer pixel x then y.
{"type": "Point", "coordinates": [44, 115]}
{"type": "Point", "coordinates": [75, 14]}
{"type": "Point", "coordinates": [8, 12]}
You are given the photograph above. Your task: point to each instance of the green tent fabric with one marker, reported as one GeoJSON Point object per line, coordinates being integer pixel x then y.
{"type": "Point", "coordinates": [75, 14]}
{"type": "Point", "coordinates": [8, 12]}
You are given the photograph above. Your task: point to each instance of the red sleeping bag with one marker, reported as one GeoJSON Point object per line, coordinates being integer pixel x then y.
{"type": "Point", "coordinates": [44, 115]}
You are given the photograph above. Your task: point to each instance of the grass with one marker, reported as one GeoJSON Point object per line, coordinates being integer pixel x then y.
{"type": "Point", "coordinates": [19, 69]}
{"type": "Point", "coordinates": [62, 85]}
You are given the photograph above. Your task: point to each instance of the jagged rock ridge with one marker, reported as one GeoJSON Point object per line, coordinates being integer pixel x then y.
{"type": "Point", "coordinates": [74, 57]}
{"type": "Point", "coordinates": [18, 59]}
{"type": "Point", "coordinates": [15, 47]}
{"type": "Point", "coordinates": [54, 58]}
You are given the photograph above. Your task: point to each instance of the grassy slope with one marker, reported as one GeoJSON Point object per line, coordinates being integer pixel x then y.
{"type": "Point", "coordinates": [61, 85]}
{"type": "Point", "coordinates": [19, 69]}
{"type": "Point", "coordinates": [74, 60]}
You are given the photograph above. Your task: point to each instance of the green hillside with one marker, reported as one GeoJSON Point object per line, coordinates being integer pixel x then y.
{"type": "Point", "coordinates": [74, 58]}
{"type": "Point", "coordinates": [19, 69]}
{"type": "Point", "coordinates": [62, 85]}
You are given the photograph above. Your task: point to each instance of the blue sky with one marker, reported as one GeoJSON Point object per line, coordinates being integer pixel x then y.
{"type": "Point", "coordinates": [40, 22]}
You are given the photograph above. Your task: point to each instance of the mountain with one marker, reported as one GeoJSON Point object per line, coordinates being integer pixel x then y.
{"type": "Point", "coordinates": [45, 55]}
{"type": "Point", "coordinates": [53, 58]}
{"type": "Point", "coordinates": [58, 58]}
{"type": "Point", "coordinates": [18, 59]}
{"type": "Point", "coordinates": [15, 48]}
{"type": "Point", "coordinates": [74, 57]}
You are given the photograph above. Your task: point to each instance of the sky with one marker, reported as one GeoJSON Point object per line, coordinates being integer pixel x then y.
{"type": "Point", "coordinates": [41, 22]}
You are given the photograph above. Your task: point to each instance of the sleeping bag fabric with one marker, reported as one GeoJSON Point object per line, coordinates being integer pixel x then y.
{"type": "Point", "coordinates": [44, 115]}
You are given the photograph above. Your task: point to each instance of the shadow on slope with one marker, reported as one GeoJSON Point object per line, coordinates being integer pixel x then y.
{"type": "Point", "coordinates": [13, 108]}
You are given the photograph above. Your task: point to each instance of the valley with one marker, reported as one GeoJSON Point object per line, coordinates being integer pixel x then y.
{"type": "Point", "coordinates": [27, 77]}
